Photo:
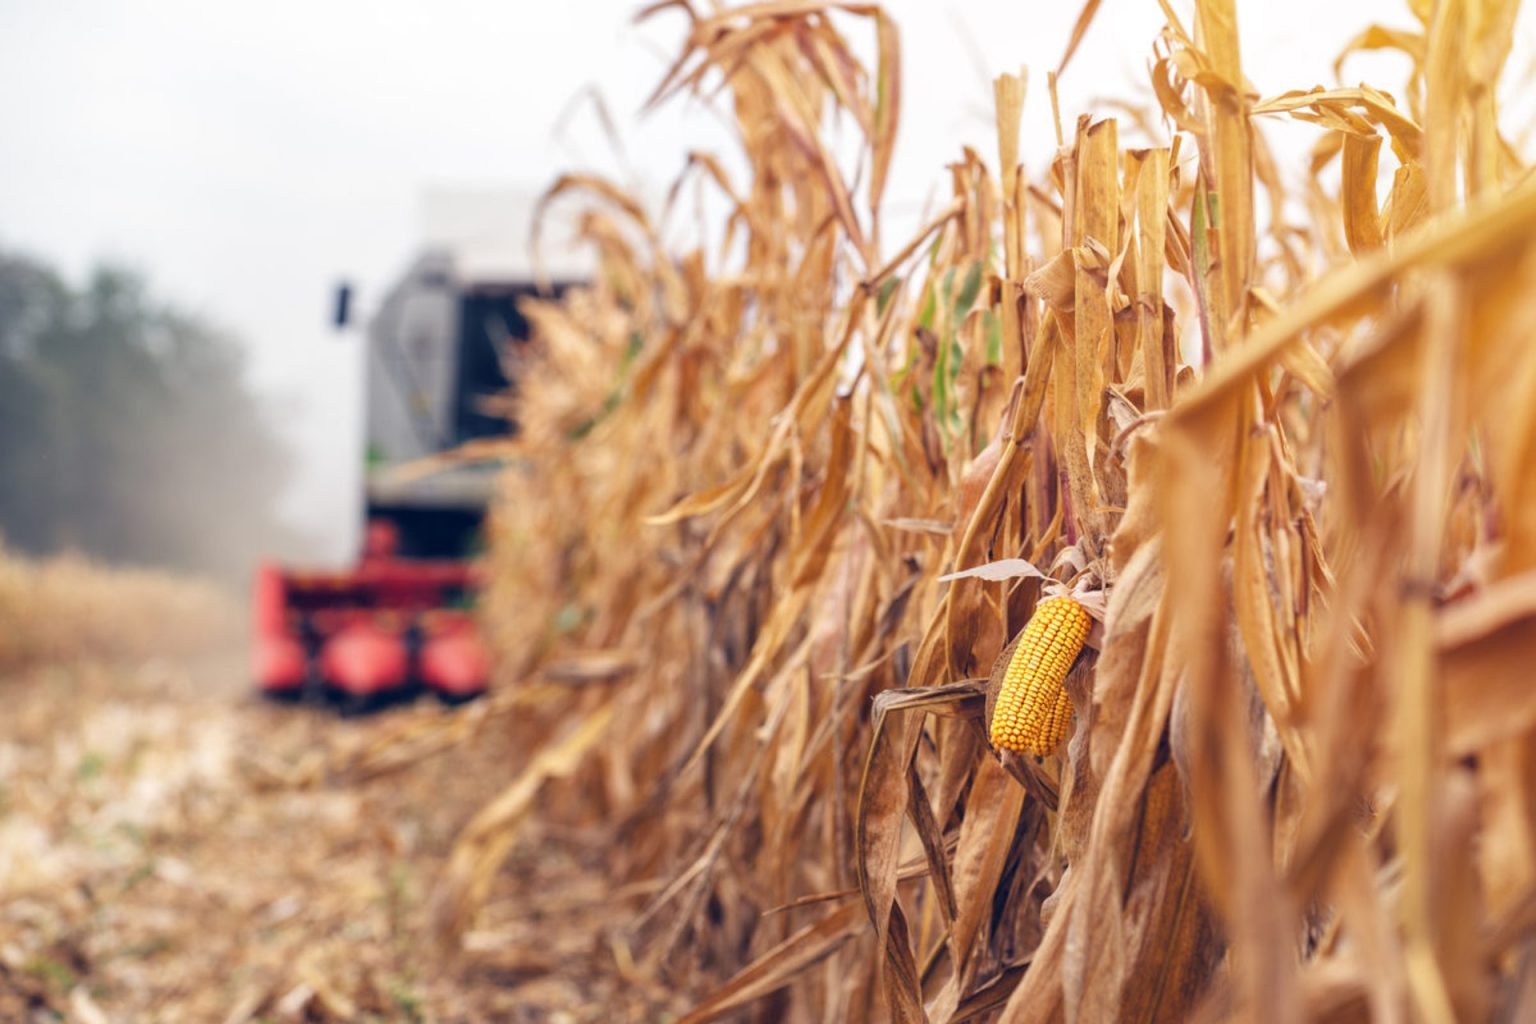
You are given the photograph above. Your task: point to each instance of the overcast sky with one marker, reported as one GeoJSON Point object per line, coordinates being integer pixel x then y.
{"type": "Point", "coordinates": [246, 154]}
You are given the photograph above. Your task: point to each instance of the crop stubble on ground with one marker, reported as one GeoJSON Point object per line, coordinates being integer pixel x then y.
{"type": "Point", "coordinates": [173, 850]}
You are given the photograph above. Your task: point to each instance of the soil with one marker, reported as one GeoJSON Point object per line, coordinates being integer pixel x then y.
{"type": "Point", "coordinates": [173, 848]}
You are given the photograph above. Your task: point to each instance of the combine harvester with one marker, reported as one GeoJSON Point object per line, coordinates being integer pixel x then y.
{"type": "Point", "coordinates": [437, 378]}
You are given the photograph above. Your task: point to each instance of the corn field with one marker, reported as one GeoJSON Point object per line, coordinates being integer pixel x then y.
{"type": "Point", "coordinates": [69, 609]}
{"type": "Point", "coordinates": [781, 505]}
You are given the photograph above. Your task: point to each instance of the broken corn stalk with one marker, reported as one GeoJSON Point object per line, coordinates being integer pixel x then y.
{"type": "Point", "coordinates": [1033, 711]}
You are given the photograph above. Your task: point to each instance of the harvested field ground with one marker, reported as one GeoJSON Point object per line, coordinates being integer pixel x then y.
{"type": "Point", "coordinates": [170, 850]}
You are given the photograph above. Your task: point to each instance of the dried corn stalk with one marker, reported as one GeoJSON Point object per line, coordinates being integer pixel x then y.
{"type": "Point", "coordinates": [1301, 784]}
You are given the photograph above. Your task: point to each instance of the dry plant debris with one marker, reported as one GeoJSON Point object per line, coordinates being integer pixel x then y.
{"type": "Point", "coordinates": [174, 850]}
{"type": "Point", "coordinates": [1280, 430]}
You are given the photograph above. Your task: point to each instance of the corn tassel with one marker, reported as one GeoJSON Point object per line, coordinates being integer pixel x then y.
{"type": "Point", "coordinates": [1033, 712]}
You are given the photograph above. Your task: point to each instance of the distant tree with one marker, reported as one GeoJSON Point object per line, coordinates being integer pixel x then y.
{"type": "Point", "coordinates": [127, 431]}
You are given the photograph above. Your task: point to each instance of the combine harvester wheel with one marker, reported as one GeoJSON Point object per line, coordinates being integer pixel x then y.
{"type": "Point", "coordinates": [453, 663]}
{"type": "Point", "coordinates": [364, 666]}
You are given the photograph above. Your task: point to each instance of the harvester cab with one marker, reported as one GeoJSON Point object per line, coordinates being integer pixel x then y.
{"type": "Point", "coordinates": [438, 375]}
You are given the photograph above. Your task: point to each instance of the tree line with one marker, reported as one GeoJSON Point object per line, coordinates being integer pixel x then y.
{"type": "Point", "coordinates": [127, 430]}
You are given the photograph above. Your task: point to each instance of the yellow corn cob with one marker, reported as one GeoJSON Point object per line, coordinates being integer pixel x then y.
{"type": "Point", "coordinates": [1033, 712]}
